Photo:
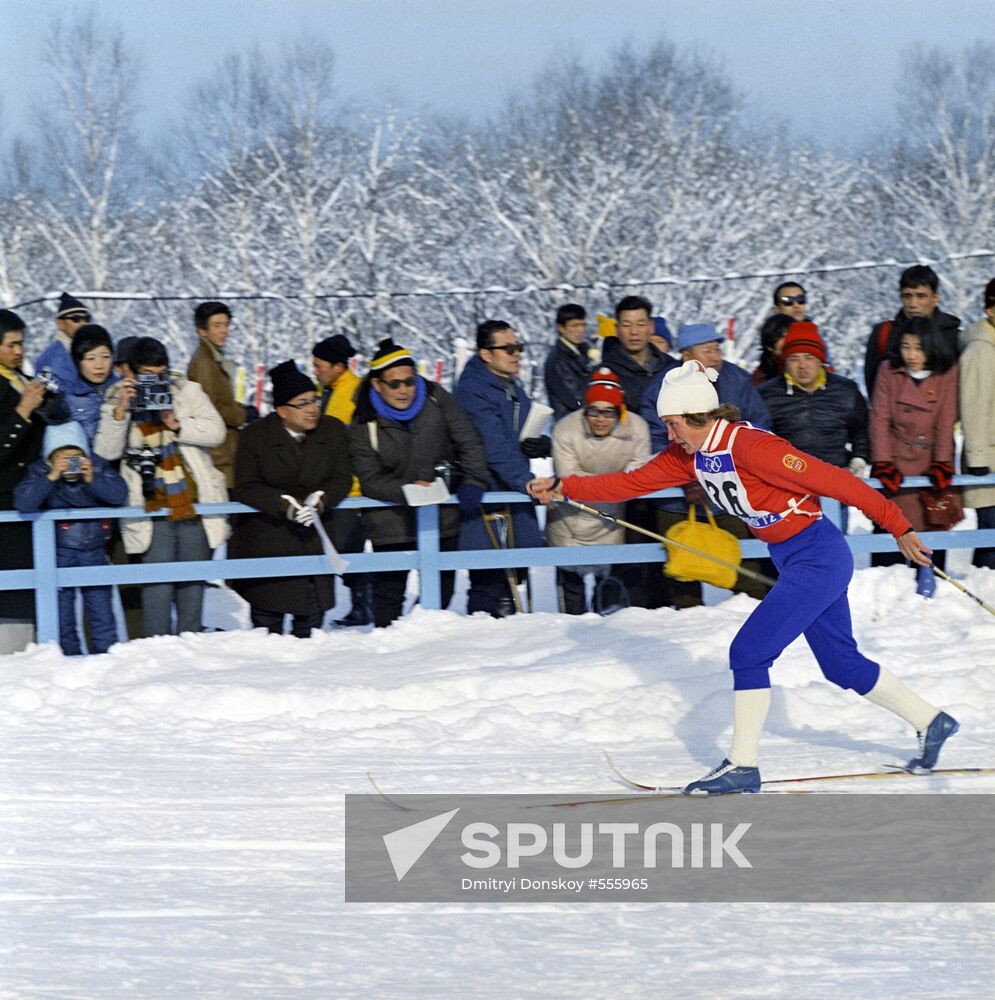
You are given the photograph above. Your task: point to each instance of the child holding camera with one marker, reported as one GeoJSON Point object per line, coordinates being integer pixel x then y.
{"type": "Point", "coordinates": [65, 476]}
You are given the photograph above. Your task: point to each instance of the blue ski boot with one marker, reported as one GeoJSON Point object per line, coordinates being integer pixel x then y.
{"type": "Point", "coordinates": [726, 779]}
{"type": "Point", "coordinates": [925, 581]}
{"type": "Point", "coordinates": [931, 741]}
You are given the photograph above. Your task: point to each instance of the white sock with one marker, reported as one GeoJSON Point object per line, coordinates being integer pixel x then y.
{"type": "Point", "coordinates": [892, 694]}
{"type": "Point", "coordinates": [749, 712]}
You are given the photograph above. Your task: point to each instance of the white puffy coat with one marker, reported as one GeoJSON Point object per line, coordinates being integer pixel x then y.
{"type": "Point", "coordinates": [201, 428]}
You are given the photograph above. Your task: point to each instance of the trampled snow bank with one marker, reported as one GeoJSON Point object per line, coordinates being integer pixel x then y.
{"type": "Point", "coordinates": [173, 809]}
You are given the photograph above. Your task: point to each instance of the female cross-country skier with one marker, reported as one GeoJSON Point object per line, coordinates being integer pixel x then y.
{"type": "Point", "coordinates": [774, 488]}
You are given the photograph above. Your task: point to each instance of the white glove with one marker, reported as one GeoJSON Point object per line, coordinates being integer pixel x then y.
{"type": "Point", "coordinates": [858, 467]}
{"type": "Point", "coordinates": [298, 513]}
{"type": "Point", "coordinates": [306, 516]}
{"type": "Point", "coordinates": [314, 499]}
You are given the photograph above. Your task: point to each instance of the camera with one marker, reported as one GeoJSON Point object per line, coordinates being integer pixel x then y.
{"type": "Point", "coordinates": [74, 469]}
{"type": "Point", "coordinates": [144, 460]}
{"type": "Point", "coordinates": [152, 392]}
{"type": "Point", "coordinates": [48, 379]}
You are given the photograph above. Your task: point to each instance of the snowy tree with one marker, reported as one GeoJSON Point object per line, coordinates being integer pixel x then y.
{"type": "Point", "coordinates": [937, 190]}
{"type": "Point", "coordinates": [87, 133]}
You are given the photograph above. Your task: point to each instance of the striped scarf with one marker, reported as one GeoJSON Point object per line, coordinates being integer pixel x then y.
{"type": "Point", "coordinates": [172, 487]}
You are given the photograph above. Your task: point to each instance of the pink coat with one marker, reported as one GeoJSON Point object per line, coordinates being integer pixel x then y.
{"type": "Point", "coordinates": [912, 425]}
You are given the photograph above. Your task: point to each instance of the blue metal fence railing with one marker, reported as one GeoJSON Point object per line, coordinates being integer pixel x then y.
{"type": "Point", "coordinates": [427, 558]}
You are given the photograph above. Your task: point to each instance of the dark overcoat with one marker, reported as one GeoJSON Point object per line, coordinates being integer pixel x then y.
{"type": "Point", "coordinates": [398, 453]}
{"type": "Point", "coordinates": [269, 463]}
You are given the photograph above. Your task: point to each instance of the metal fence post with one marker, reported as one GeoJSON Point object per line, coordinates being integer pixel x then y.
{"type": "Point", "coordinates": [428, 557]}
{"type": "Point", "coordinates": [46, 591]}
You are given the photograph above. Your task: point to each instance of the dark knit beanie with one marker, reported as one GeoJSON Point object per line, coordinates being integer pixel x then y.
{"type": "Point", "coordinates": [803, 338]}
{"type": "Point", "coordinates": [288, 381]}
{"type": "Point", "coordinates": [68, 305]}
{"type": "Point", "coordinates": [87, 338]}
{"type": "Point", "coordinates": [335, 350]}
{"type": "Point", "coordinates": [390, 354]}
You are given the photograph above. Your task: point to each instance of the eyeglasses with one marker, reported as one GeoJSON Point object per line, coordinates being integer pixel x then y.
{"type": "Point", "coordinates": [792, 300]}
{"type": "Point", "coordinates": [77, 318]}
{"type": "Point", "coordinates": [396, 383]}
{"type": "Point", "coordinates": [507, 348]}
{"type": "Point", "coordinates": [595, 411]}
{"type": "Point", "coordinates": [304, 405]}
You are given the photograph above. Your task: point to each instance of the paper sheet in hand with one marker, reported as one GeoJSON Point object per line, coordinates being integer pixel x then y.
{"type": "Point", "coordinates": [535, 421]}
{"type": "Point", "coordinates": [419, 496]}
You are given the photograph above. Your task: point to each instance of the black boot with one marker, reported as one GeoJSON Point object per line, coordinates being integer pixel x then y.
{"type": "Point", "coordinates": [361, 612]}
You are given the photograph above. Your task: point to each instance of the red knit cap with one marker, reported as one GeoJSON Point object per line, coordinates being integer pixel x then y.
{"type": "Point", "coordinates": [605, 388]}
{"type": "Point", "coordinates": [803, 338]}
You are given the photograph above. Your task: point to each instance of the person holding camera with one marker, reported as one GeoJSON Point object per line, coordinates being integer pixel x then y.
{"type": "Point", "coordinates": [64, 477]}
{"type": "Point", "coordinates": [21, 428]}
{"type": "Point", "coordinates": [163, 427]}
{"type": "Point", "coordinates": [407, 431]}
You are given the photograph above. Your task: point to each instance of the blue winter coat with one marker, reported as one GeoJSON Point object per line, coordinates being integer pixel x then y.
{"type": "Point", "coordinates": [81, 401]}
{"type": "Point", "coordinates": [57, 359]}
{"type": "Point", "coordinates": [734, 385]}
{"type": "Point", "coordinates": [37, 492]}
{"type": "Point", "coordinates": [567, 374]}
{"type": "Point", "coordinates": [498, 418]}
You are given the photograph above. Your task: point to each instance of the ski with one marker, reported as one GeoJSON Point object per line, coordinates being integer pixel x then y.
{"type": "Point", "coordinates": [888, 771]}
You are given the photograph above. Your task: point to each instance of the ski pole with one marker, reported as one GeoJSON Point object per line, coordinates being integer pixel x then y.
{"type": "Point", "coordinates": [752, 574]}
{"type": "Point", "coordinates": [974, 597]}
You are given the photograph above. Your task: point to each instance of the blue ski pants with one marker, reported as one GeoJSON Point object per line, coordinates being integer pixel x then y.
{"type": "Point", "coordinates": [809, 598]}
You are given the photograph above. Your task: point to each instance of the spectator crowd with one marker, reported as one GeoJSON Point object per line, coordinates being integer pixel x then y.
{"type": "Point", "coordinates": [103, 424]}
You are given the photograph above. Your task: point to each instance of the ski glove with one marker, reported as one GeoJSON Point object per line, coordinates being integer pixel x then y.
{"type": "Point", "coordinates": [251, 413]}
{"type": "Point", "coordinates": [857, 466]}
{"type": "Point", "coordinates": [469, 497]}
{"type": "Point", "coordinates": [539, 447]}
{"type": "Point", "coordinates": [940, 474]}
{"type": "Point", "coordinates": [891, 478]}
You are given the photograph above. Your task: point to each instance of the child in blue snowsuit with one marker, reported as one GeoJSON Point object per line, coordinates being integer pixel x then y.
{"type": "Point", "coordinates": [65, 476]}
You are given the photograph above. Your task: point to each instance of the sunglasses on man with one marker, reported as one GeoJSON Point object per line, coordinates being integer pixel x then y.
{"type": "Point", "coordinates": [597, 411]}
{"type": "Point", "coordinates": [507, 348]}
{"type": "Point", "coordinates": [791, 300]}
{"type": "Point", "coordinates": [396, 383]}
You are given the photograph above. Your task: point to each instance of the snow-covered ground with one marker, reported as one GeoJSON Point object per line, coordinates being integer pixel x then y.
{"type": "Point", "coordinates": [172, 812]}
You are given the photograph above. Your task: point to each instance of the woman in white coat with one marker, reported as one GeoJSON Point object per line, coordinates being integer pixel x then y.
{"type": "Point", "coordinates": [165, 447]}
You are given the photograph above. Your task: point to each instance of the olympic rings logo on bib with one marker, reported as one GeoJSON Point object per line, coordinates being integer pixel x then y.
{"type": "Point", "coordinates": [794, 463]}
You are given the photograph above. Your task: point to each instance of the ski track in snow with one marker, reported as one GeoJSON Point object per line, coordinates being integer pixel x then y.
{"type": "Point", "coordinates": [173, 812]}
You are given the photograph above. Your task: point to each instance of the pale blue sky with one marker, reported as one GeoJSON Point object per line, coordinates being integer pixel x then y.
{"type": "Point", "coordinates": [827, 67]}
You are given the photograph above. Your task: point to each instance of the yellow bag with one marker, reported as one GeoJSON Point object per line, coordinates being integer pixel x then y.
{"type": "Point", "coordinates": [710, 538]}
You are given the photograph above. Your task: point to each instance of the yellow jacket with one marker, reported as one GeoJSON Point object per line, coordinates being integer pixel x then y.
{"type": "Point", "coordinates": [342, 405]}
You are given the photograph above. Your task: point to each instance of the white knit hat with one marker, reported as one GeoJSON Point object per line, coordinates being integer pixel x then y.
{"type": "Point", "coordinates": [687, 389]}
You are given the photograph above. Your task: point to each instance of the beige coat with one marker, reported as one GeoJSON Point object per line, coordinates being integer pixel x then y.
{"type": "Point", "coordinates": [209, 367]}
{"type": "Point", "coordinates": [577, 452]}
{"type": "Point", "coordinates": [201, 428]}
{"type": "Point", "coordinates": [977, 407]}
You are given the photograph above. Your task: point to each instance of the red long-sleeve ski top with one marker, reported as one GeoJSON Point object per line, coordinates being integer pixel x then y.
{"type": "Point", "coordinates": [749, 473]}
